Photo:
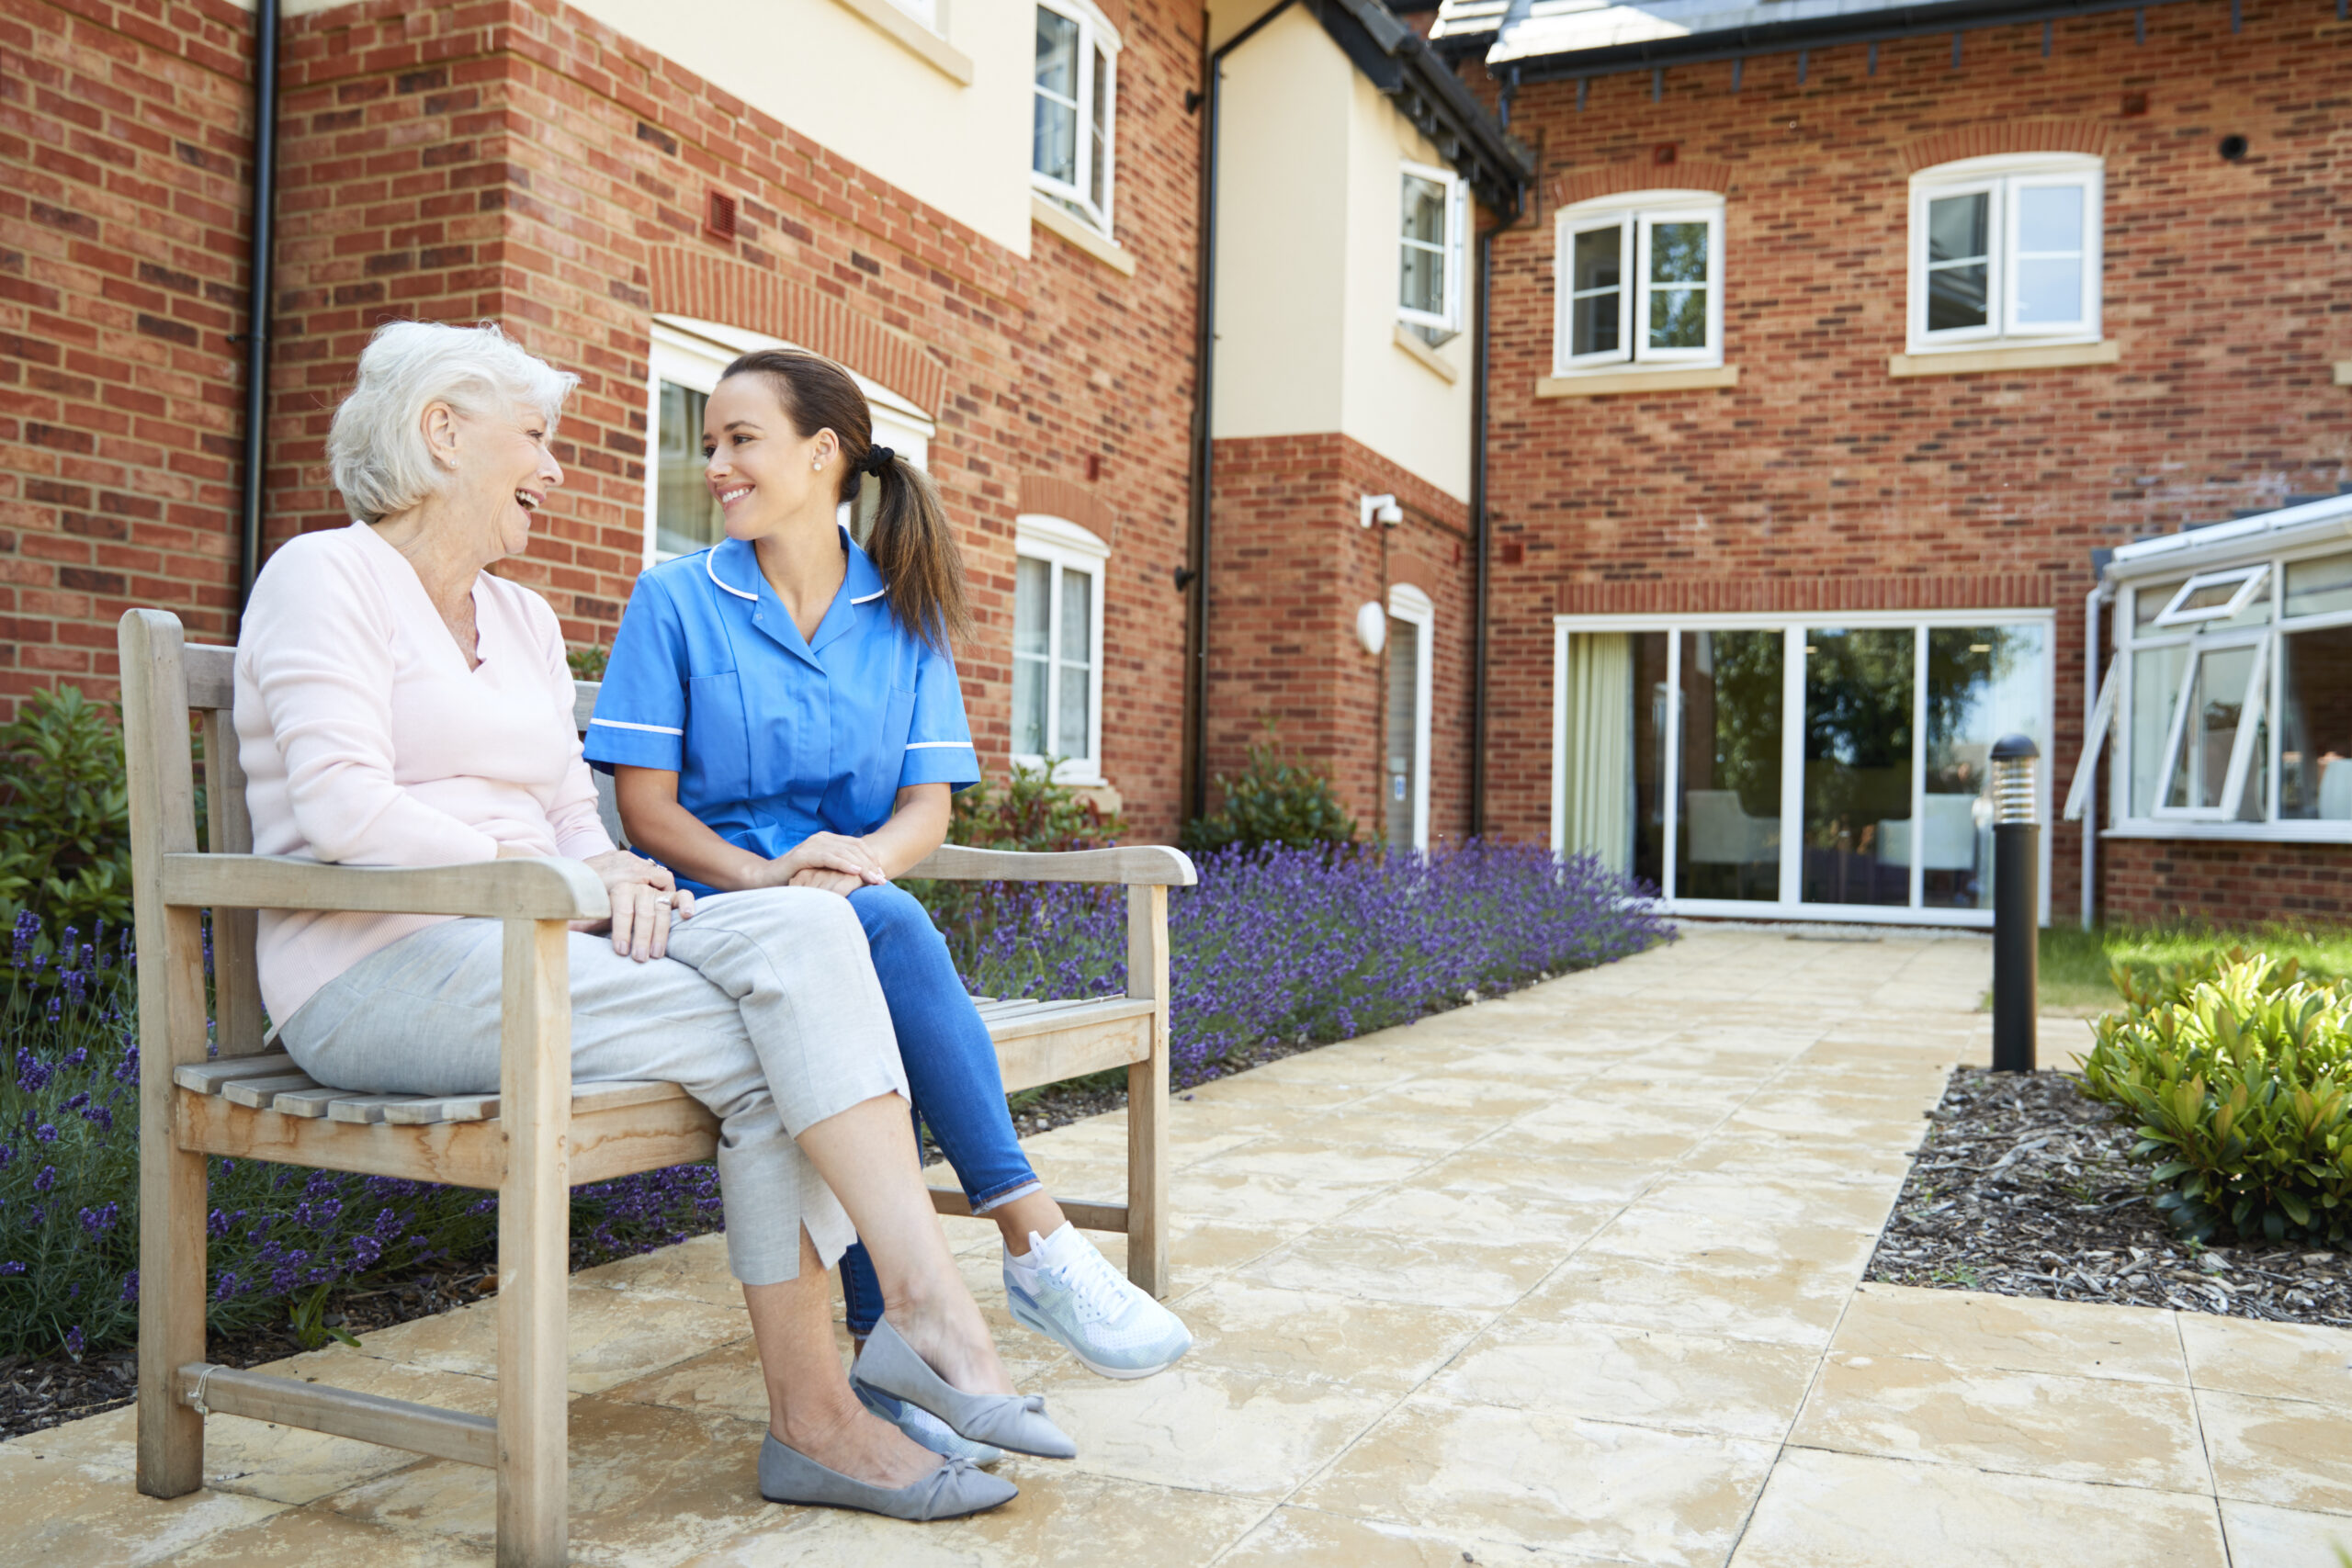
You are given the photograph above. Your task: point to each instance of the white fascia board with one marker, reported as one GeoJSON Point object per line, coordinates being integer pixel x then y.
{"type": "Point", "coordinates": [2242, 539]}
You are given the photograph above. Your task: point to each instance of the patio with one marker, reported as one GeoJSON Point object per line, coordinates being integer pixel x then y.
{"type": "Point", "coordinates": [1568, 1278]}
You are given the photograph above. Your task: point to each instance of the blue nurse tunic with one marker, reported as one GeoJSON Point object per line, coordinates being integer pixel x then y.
{"type": "Point", "coordinates": [773, 736]}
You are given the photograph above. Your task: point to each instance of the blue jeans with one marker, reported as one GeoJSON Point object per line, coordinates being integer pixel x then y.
{"type": "Point", "coordinates": [951, 1071]}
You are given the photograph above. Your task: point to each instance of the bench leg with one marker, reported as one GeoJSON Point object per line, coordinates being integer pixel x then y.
{"type": "Point", "coordinates": [171, 1296]}
{"type": "Point", "coordinates": [1147, 1095]}
{"type": "Point", "coordinates": [534, 1247]}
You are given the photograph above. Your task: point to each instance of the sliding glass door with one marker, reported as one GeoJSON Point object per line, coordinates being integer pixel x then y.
{"type": "Point", "coordinates": [1835, 770]}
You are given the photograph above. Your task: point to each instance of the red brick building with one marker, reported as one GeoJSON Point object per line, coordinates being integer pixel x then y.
{"type": "Point", "coordinates": [1831, 365]}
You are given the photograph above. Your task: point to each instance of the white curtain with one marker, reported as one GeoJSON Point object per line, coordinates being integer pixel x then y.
{"type": "Point", "coordinates": [1598, 724]}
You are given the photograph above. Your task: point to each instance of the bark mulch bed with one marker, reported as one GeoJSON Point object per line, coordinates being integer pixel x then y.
{"type": "Point", "coordinates": [2026, 1188]}
{"type": "Point", "coordinates": [41, 1392]}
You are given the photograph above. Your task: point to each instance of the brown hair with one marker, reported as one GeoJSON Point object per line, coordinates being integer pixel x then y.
{"type": "Point", "coordinates": [912, 542]}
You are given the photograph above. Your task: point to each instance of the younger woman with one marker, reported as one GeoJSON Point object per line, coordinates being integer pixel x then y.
{"type": "Point", "coordinates": [782, 705]}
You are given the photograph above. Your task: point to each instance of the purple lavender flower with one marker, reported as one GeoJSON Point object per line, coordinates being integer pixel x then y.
{"type": "Point", "coordinates": [27, 931]}
{"type": "Point", "coordinates": [8, 1269]}
{"type": "Point", "coordinates": [32, 1073]}
{"type": "Point", "coordinates": [45, 1132]}
{"type": "Point", "coordinates": [74, 1342]}
{"type": "Point", "coordinates": [130, 1296]}
{"type": "Point", "coordinates": [46, 1180]}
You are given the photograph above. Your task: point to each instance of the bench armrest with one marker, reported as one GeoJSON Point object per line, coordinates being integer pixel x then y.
{"type": "Point", "coordinates": [514, 889]}
{"type": "Point", "coordinates": [1137, 865]}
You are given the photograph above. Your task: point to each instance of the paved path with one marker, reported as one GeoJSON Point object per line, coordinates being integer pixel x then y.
{"type": "Point", "coordinates": [1568, 1278]}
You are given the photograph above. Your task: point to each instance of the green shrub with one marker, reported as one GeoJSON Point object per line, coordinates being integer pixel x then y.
{"type": "Point", "coordinates": [1277, 800]}
{"type": "Point", "coordinates": [64, 828]}
{"type": "Point", "coordinates": [2238, 1080]}
{"type": "Point", "coordinates": [587, 660]}
{"type": "Point", "coordinates": [1031, 811]}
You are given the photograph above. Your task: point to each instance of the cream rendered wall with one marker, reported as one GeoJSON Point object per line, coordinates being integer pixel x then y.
{"type": "Point", "coordinates": [1281, 230]}
{"type": "Point", "coordinates": [1389, 400]}
{"type": "Point", "coordinates": [1308, 203]}
{"type": "Point", "coordinates": [839, 80]}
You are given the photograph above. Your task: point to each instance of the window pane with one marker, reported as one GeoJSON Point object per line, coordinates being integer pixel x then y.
{"type": "Point", "coordinates": [2209, 596]}
{"type": "Point", "coordinates": [1098, 166]}
{"type": "Point", "coordinates": [1054, 143]}
{"type": "Point", "coordinates": [1597, 719]}
{"type": "Point", "coordinates": [1596, 271]}
{"type": "Point", "coordinates": [2050, 288]}
{"type": "Point", "coordinates": [1072, 729]}
{"type": "Point", "coordinates": [1078, 617]}
{"type": "Point", "coordinates": [1959, 226]}
{"type": "Point", "coordinates": [1857, 701]}
{"type": "Point", "coordinates": [1422, 284]}
{"type": "Point", "coordinates": [2156, 691]}
{"type": "Point", "coordinates": [1730, 822]}
{"type": "Point", "coordinates": [1423, 232]}
{"type": "Point", "coordinates": [2148, 601]}
{"type": "Point", "coordinates": [2050, 221]}
{"type": "Point", "coordinates": [1956, 298]}
{"type": "Point", "coordinates": [1424, 210]}
{"type": "Point", "coordinates": [1653, 704]}
{"type": "Point", "coordinates": [1073, 736]}
{"type": "Point", "coordinates": [1032, 606]}
{"type": "Point", "coordinates": [2316, 724]}
{"type": "Point", "coordinates": [684, 517]}
{"type": "Point", "coordinates": [1679, 253]}
{"type": "Point", "coordinates": [1678, 318]}
{"type": "Point", "coordinates": [2322, 587]}
{"type": "Point", "coordinates": [1982, 683]}
{"type": "Point", "coordinates": [2214, 709]}
{"type": "Point", "coordinates": [1029, 707]}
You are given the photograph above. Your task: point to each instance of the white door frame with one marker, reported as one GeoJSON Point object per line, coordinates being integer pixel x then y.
{"type": "Point", "coordinates": [1410, 605]}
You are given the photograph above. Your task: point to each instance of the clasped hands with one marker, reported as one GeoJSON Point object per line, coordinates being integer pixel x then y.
{"type": "Point", "coordinates": [831, 863]}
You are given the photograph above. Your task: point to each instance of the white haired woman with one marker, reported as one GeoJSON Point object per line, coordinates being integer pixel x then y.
{"type": "Point", "coordinates": [396, 704]}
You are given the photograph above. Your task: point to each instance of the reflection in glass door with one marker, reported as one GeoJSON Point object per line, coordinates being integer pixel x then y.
{"type": "Point", "coordinates": [1727, 844]}
{"type": "Point", "coordinates": [1858, 727]}
{"type": "Point", "coordinates": [1982, 683]}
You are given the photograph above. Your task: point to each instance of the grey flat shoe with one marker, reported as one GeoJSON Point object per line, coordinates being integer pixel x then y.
{"type": "Point", "coordinates": [1010, 1421]}
{"type": "Point", "coordinates": [954, 1489]}
{"type": "Point", "coordinates": [924, 1428]}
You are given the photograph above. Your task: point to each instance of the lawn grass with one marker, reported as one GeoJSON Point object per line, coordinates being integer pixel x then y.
{"type": "Point", "coordinates": [2075, 962]}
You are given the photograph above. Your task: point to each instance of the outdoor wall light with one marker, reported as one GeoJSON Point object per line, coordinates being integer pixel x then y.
{"type": "Point", "coordinates": [1383, 509]}
{"type": "Point", "coordinates": [1371, 621]}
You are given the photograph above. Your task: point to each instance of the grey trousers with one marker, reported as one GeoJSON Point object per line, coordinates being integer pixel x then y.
{"type": "Point", "coordinates": [767, 1011]}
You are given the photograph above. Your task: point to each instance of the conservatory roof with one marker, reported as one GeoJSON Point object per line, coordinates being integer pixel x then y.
{"type": "Point", "coordinates": [2241, 538]}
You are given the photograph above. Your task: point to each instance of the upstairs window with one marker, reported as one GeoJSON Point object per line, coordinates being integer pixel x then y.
{"type": "Point", "coordinates": [1433, 235]}
{"type": "Point", "coordinates": [1071, 146]}
{"type": "Point", "coordinates": [2006, 249]}
{"type": "Point", "coordinates": [1640, 282]}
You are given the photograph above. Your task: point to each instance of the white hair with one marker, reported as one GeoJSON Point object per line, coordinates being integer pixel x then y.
{"type": "Point", "coordinates": [377, 446]}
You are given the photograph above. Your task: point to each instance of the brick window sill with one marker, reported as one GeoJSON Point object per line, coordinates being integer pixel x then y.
{"type": "Point", "coordinates": [1424, 355]}
{"type": "Point", "coordinates": [2014, 357]}
{"type": "Point", "coordinates": [915, 39]}
{"type": "Point", "coordinates": [2344, 372]}
{"type": "Point", "coordinates": [1626, 383]}
{"type": "Point", "coordinates": [1059, 221]}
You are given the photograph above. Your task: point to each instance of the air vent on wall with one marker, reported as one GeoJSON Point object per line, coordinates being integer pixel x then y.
{"type": "Point", "coordinates": [721, 218]}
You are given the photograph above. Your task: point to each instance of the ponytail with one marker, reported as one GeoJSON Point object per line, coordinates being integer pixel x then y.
{"type": "Point", "coordinates": [913, 544]}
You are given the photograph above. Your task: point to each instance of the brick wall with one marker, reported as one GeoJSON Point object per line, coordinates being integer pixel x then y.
{"type": "Point", "coordinates": [1820, 480]}
{"type": "Point", "coordinates": [2201, 880]}
{"type": "Point", "coordinates": [516, 161]}
{"type": "Point", "coordinates": [1292, 561]}
{"type": "Point", "coordinates": [124, 138]}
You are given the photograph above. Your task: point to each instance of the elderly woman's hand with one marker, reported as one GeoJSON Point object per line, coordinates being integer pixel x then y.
{"type": "Point", "coordinates": [644, 895]}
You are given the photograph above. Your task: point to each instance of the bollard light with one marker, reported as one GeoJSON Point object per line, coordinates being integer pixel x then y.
{"type": "Point", "coordinates": [2017, 902]}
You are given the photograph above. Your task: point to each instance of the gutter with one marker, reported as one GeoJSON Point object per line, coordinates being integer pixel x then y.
{"type": "Point", "coordinates": [1194, 578]}
{"type": "Point", "coordinates": [257, 295]}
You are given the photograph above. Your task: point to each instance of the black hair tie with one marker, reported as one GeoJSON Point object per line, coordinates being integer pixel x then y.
{"type": "Point", "coordinates": [878, 459]}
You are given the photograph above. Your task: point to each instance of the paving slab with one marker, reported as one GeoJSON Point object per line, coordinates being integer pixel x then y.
{"type": "Point", "coordinates": [1570, 1279]}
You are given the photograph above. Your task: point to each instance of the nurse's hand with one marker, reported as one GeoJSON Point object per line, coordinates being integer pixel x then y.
{"type": "Point", "coordinates": [831, 853]}
{"type": "Point", "coordinates": [645, 896]}
{"type": "Point", "coordinates": [838, 882]}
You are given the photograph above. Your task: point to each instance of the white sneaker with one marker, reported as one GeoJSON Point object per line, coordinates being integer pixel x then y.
{"type": "Point", "coordinates": [1067, 1291]}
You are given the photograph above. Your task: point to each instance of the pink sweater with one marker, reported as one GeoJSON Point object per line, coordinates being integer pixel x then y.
{"type": "Point", "coordinates": [366, 741]}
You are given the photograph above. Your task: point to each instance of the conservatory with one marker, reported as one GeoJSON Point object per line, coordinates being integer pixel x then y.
{"type": "Point", "coordinates": [1822, 767]}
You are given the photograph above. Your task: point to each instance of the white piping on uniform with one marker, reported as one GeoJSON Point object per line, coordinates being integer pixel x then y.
{"type": "Point", "coordinates": [935, 745]}
{"type": "Point", "coordinates": [711, 567]}
{"type": "Point", "coordinates": [869, 599]}
{"type": "Point", "coordinates": [648, 728]}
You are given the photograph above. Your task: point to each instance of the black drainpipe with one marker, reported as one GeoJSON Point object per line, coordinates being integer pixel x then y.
{"type": "Point", "coordinates": [1196, 576]}
{"type": "Point", "coordinates": [1481, 533]}
{"type": "Point", "coordinates": [258, 292]}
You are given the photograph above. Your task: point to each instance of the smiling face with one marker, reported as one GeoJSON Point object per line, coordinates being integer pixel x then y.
{"type": "Point", "coordinates": [761, 472]}
{"type": "Point", "coordinates": [500, 473]}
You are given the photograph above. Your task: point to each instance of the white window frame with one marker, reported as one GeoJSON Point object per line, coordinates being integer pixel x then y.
{"type": "Point", "coordinates": [693, 354]}
{"type": "Point", "coordinates": [1456, 246]}
{"type": "Point", "coordinates": [1411, 605]}
{"type": "Point", "coordinates": [1634, 215]}
{"type": "Point", "coordinates": [1791, 905]}
{"type": "Point", "coordinates": [2266, 699]}
{"type": "Point", "coordinates": [2002, 180]}
{"type": "Point", "coordinates": [1095, 34]}
{"type": "Point", "coordinates": [1065, 546]}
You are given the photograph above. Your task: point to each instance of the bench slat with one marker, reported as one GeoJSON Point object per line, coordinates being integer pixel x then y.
{"type": "Point", "coordinates": [362, 1109]}
{"type": "Point", "coordinates": [207, 1078]}
{"type": "Point", "coordinates": [259, 1092]}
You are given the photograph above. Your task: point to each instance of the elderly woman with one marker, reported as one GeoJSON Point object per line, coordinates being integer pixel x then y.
{"type": "Point", "coordinates": [396, 704]}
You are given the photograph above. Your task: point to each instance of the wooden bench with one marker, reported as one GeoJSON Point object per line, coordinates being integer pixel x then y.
{"type": "Point", "coordinates": [529, 1142]}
